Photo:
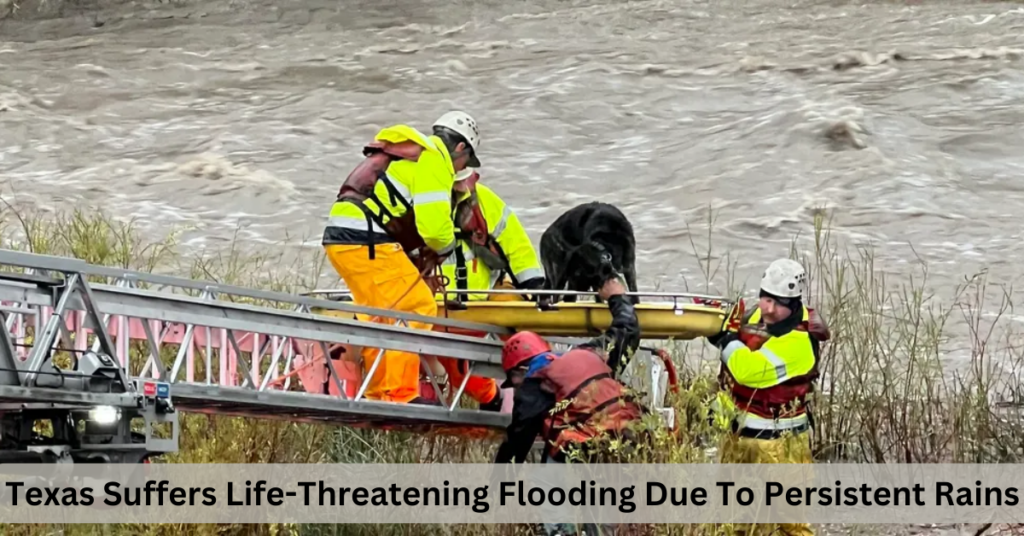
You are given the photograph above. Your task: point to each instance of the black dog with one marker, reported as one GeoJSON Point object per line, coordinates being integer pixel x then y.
{"type": "Point", "coordinates": [585, 247]}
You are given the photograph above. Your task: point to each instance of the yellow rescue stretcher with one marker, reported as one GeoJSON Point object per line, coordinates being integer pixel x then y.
{"type": "Point", "coordinates": [657, 320]}
{"type": "Point", "coordinates": [668, 316]}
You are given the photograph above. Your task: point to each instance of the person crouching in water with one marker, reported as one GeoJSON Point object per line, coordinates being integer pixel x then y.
{"type": "Point", "coordinates": [769, 367]}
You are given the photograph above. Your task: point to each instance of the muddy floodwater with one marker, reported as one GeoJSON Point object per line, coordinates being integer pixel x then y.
{"type": "Point", "coordinates": [904, 120]}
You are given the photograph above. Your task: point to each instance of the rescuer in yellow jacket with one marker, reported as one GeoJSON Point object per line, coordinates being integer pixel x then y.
{"type": "Point", "coordinates": [391, 224]}
{"type": "Point", "coordinates": [768, 369]}
{"type": "Point", "coordinates": [493, 246]}
{"type": "Point", "coordinates": [493, 243]}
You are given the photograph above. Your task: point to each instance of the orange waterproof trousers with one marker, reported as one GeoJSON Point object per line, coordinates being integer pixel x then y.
{"type": "Point", "coordinates": [480, 388]}
{"type": "Point", "coordinates": [390, 281]}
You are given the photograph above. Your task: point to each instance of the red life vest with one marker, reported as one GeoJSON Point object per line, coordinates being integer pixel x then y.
{"type": "Point", "coordinates": [470, 220]}
{"type": "Point", "coordinates": [468, 216]}
{"type": "Point", "coordinates": [360, 183]}
{"type": "Point", "coordinates": [776, 401]}
{"type": "Point", "coordinates": [472, 227]}
{"type": "Point", "coordinates": [598, 403]}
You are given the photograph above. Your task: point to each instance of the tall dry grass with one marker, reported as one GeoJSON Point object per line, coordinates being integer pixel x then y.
{"type": "Point", "coordinates": [886, 394]}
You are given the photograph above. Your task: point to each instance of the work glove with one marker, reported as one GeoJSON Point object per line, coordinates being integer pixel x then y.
{"type": "Point", "coordinates": [723, 338]}
{"type": "Point", "coordinates": [494, 405]}
{"type": "Point", "coordinates": [537, 283]}
{"type": "Point", "coordinates": [533, 284]}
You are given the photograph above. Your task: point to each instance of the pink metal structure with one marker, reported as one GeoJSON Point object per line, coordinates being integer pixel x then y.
{"type": "Point", "coordinates": [303, 358]}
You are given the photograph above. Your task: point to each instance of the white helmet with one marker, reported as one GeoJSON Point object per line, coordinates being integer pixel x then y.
{"type": "Point", "coordinates": [464, 125]}
{"type": "Point", "coordinates": [784, 278]}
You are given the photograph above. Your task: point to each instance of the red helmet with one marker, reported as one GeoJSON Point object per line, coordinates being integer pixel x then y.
{"type": "Point", "coordinates": [521, 347]}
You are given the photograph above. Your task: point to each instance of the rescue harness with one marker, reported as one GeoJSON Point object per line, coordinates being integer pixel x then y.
{"type": "Point", "coordinates": [360, 185]}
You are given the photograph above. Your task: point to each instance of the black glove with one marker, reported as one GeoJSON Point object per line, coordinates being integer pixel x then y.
{"type": "Point", "coordinates": [723, 338]}
{"type": "Point", "coordinates": [494, 404]}
{"type": "Point", "coordinates": [533, 284]}
{"type": "Point", "coordinates": [537, 283]}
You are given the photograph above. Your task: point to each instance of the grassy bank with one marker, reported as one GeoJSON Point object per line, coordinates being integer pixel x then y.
{"type": "Point", "coordinates": [885, 396]}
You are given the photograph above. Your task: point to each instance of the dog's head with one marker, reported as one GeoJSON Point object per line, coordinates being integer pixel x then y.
{"type": "Point", "coordinates": [594, 264]}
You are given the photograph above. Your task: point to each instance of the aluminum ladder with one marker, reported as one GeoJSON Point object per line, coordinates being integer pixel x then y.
{"type": "Point", "coordinates": [208, 348]}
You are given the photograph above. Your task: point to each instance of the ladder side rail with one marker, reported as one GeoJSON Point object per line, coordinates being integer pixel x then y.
{"type": "Point", "coordinates": [295, 406]}
{"type": "Point", "coordinates": [30, 396]}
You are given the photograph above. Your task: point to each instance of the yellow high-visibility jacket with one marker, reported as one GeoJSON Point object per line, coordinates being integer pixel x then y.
{"type": "Point", "coordinates": [426, 184]}
{"type": "Point", "coordinates": [518, 256]}
{"type": "Point", "coordinates": [779, 359]}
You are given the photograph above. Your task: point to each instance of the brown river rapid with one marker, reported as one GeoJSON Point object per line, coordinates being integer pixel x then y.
{"type": "Point", "coordinates": [904, 120]}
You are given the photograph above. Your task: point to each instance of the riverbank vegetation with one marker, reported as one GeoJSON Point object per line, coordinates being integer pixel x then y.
{"type": "Point", "coordinates": [887, 394]}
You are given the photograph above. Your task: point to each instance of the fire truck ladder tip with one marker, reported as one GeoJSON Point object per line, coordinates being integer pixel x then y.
{"type": "Point", "coordinates": [103, 346]}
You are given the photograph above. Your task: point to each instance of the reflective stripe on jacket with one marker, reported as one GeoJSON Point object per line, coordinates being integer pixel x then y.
{"type": "Point", "coordinates": [518, 255]}
{"type": "Point", "coordinates": [425, 184]}
{"type": "Point", "coordinates": [771, 376]}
